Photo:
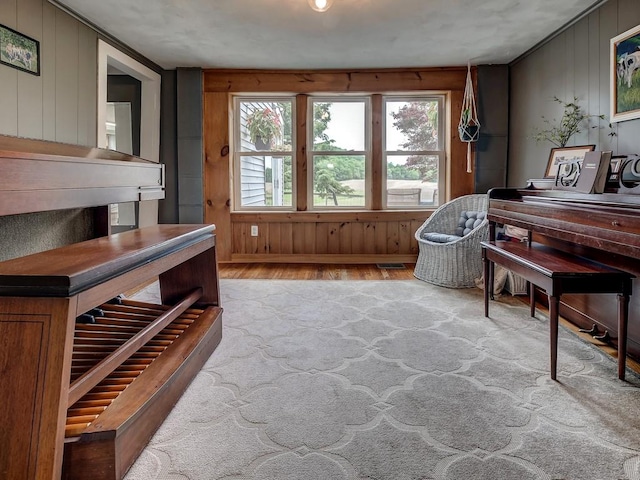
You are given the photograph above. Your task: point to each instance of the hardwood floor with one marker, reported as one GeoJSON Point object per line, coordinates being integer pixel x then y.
{"type": "Point", "coordinates": [314, 271]}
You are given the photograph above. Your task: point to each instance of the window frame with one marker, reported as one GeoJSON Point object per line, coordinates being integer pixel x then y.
{"type": "Point", "coordinates": [367, 152]}
{"type": "Point", "coordinates": [235, 119]}
{"type": "Point", "coordinates": [443, 146]}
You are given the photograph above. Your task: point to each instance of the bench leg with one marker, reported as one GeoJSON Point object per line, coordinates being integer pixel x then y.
{"type": "Point", "coordinates": [487, 284]}
{"type": "Point", "coordinates": [554, 306]}
{"type": "Point", "coordinates": [532, 298]}
{"type": "Point", "coordinates": [623, 315]}
{"type": "Point", "coordinates": [492, 270]}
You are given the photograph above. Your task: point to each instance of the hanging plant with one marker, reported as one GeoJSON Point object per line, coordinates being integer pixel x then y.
{"type": "Point", "coordinates": [469, 126]}
{"type": "Point", "coordinates": [264, 127]}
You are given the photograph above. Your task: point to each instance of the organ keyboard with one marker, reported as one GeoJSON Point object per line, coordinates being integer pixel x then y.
{"type": "Point", "coordinates": [82, 398]}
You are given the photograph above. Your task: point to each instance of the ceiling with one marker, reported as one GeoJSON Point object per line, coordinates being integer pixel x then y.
{"type": "Point", "coordinates": [287, 34]}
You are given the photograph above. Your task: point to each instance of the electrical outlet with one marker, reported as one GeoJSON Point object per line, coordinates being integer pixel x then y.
{"type": "Point", "coordinates": [254, 230]}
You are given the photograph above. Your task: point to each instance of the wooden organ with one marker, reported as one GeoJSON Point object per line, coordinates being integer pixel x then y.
{"type": "Point", "coordinates": [87, 376]}
{"type": "Point", "coordinates": [601, 227]}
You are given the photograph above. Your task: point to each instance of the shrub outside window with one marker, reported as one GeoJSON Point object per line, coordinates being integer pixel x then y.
{"type": "Point", "coordinates": [414, 151]}
{"type": "Point", "coordinates": [340, 152]}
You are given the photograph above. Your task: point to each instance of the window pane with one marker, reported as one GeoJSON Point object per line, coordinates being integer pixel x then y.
{"type": "Point", "coordinates": [339, 126]}
{"type": "Point", "coordinates": [266, 181]}
{"type": "Point", "coordinates": [338, 180]}
{"type": "Point", "coordinates": [265, 126]}
{"type": "Point", "coordinates": [412, 180]}
{"type": "Point", "coordinates": [412, 126]}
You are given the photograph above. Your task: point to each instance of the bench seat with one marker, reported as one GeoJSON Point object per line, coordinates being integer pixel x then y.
{"type": "Point", "coordinates": [558, 273]}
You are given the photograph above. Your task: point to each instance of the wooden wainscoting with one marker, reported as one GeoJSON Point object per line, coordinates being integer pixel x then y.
{"type": "Point", "coordinates": [367, 236]}
{"type": "Point", "coordinates": [304, 237]}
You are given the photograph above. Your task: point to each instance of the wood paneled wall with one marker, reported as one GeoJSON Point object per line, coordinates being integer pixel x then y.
{"type": "Point", "coordinates": [303, 236]}
{"type": "Point", "coordinates": [576, 63]}
{"type": "Point", "coordinates": [60, 104]}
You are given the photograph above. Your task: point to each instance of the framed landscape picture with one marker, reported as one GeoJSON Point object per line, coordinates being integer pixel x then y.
{"type": "Point", "coordinates": [563, 155]}
{"type": "Point", "coordinates": [19, 51]}
{"type": "Point", "coordinates": [625, 76]}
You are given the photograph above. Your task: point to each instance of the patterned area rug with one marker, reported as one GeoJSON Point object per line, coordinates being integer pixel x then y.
{"type": "Point", "coordinates": [394, 380]}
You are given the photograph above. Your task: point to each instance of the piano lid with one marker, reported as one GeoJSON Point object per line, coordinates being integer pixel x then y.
{"type": "Point", "coordinates": [608, 221]}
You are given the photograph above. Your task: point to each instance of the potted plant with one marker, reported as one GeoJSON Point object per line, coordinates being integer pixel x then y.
{"type": "Point", "coordinates": [264, 127]}
{"type": "Point", "coordinates": [468, 129]}
{"type": "Point", "coordinates": [572, 122]}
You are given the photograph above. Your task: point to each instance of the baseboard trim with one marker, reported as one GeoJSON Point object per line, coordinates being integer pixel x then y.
{"type": "Point", "coordinates": [321, 258]}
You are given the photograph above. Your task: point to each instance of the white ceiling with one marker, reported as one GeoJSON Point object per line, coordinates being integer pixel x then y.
{"type": "Point", "coordinates": [287, 34]}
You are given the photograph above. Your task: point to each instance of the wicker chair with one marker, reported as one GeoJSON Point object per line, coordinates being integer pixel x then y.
{"type": "Point", "coordinates": [457, 263]}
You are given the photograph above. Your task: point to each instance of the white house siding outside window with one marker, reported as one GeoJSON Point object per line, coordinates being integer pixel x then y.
{"type": "Point", "coordinates": [263, 160]}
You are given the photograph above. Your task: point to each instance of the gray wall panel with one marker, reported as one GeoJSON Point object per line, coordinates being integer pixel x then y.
{"type": "Point", "coordinates": [60, 104]}
{"type": "Point", "coordinates": [66, 78]}
{"type": "Point", "coordinates": [189, 145]}
{"type": "Point", "coordinates": [9, 76]}
{"type": "Point", "coordinates": [48, 71]}
{"type": "Point", "coordinates": [30, 86]}
{"type": "Point", "coordinates": [549, 71]}
{"type": "Point", "coordinates": [168, 208]}
{"type": "Point", "coordinates": [493, 113]}
{"type": "Point", "coordinates": [87, 81]}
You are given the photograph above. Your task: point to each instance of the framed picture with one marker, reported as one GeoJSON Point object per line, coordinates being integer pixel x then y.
{"type": "Point", "coordinates": [625, 76]}
{"type": "Point", "coordinates": [19, 51]}
{"type": "Point", "coordinates": [562, 155]}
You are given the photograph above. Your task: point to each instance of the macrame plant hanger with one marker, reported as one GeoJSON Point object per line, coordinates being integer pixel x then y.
{"type": "Point", "coordinates": [469, 126]}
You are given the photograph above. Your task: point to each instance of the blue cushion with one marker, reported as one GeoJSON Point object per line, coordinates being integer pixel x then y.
{"type": "Point", "coordinates": [439, 237]}
{"type": "Point", "coordinates": [468, 221]}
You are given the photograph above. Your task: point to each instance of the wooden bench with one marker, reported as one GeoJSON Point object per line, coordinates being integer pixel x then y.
{"type": "Point", "coordinates": [558, 273]}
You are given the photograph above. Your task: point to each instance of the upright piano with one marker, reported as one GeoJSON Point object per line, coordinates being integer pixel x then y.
{"type": "Point", "coordinates": [602, 227]}
{"type": "Point", "coordinates": [87, 375]}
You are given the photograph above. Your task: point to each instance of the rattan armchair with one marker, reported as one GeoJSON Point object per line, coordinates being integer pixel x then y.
{"type": "Point", "coordinates": [456, 263]}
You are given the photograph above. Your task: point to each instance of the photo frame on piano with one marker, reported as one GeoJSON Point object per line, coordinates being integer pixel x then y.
{"type": "Point", "coordinates": [565, 155]}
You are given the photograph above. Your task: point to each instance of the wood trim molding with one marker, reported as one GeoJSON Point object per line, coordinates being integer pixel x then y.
{"type": "Point", "coordinates": [372, 81]}
{"type": "Point", "coordinates": [321, 258]}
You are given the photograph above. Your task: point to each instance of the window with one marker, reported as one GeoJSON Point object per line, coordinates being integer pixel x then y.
{"type": "Point", "coordinates": [410, 156]}
{"type": "Point", "coordinates": [414, 150]}
{"type": "Point", "coordinates": [263, 157]}
{"type": "Point", "coordinates": [339, 152]}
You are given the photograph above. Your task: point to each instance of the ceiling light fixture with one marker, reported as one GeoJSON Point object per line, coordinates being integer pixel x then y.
{"type": "Point", "coordinates": [320, 5]}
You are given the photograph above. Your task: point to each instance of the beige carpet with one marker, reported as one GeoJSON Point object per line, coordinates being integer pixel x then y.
{"type": "Point", "coordinates": [394, 380]}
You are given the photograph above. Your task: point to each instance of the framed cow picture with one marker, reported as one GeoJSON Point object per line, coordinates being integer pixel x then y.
{"type": "Point", "coordinates": [625, 75]}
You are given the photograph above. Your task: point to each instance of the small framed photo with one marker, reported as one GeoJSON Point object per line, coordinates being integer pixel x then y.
{"type": "Point", "coordinates": [624, 82]}
{"type": "Point", "coordinates": [563, 155]}
{"type": "Point", "coordinates": [19, 51]}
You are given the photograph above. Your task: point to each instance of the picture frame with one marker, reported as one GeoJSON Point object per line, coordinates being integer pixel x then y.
{"type": "Point", "coordinates": [625, 76]}
{"type": "Point", "coordinates": [562, 155]}
{"type": "Point", "coordinates": [19, 51]}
